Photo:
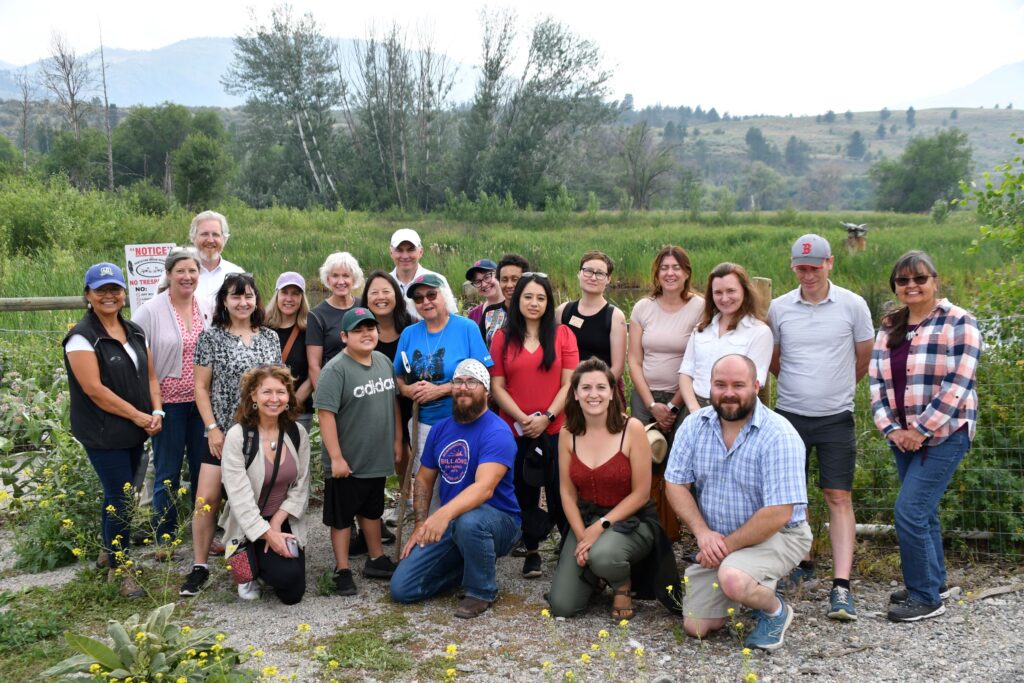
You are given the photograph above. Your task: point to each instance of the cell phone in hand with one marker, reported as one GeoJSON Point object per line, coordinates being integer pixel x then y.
{"type": "Point", "coordinates": [292, 545]}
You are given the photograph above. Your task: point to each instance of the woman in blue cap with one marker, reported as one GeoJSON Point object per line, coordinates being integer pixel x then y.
{"type": "Point", "coordinates": [115, 404]}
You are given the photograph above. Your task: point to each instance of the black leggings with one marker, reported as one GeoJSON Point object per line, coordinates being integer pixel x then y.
{"type": "Point", "coordinates": [286, 575]}
{"type": "Point", "coordinates": [529, 500]}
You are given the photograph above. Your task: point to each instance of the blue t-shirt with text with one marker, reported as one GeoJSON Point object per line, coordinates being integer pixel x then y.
{"type": "Point", "coordinates": [434, 356]}
{"type": "Point", "coordinates": [456, 450]}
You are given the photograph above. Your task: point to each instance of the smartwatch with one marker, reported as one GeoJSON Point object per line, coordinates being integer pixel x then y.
{"type": "Point", "coordinates": [605, 523]}
{"type": "Point", "coordinates": [673, 408]}
{"type": "Point", "coordinates": [549, 416]}
{"type": "Point", "coordinates": [209, 428]}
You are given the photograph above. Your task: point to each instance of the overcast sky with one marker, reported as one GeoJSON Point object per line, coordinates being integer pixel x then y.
{"type": "Point", "coordinates": [741, 56]}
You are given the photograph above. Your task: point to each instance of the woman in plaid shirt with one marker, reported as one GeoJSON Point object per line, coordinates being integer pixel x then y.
{"type": "Point", "coordinates": [924, 401]}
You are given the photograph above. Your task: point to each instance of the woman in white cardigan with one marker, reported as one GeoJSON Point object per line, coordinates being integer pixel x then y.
{"type": "Point", "coordinates": [172, 321]}
{"type": "Point", "coordinates": [268, 500]}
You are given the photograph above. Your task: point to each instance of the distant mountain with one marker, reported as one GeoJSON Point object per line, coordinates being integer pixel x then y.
{"type": "Point", "coordinates": [1002, 86]}
{"type": "Point", "coordinates": [187, 72]}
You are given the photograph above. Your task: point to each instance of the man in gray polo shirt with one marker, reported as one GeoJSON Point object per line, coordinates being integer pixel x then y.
{"type": "Point", "coordinates": [823, 339]}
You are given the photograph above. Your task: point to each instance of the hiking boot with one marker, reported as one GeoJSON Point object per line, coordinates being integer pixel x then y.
{"type": "Point", "coordinates": [249, 590]}
{"type": "Point", "coordinates": [379, 568]}
{"type": "Point", "coordinates": [840, 604]}
{"type": "Point", "coordinates": [902, 595]}
{"type": "Point", "coordinates": [195, 581]}
{"type": "Point", "coordinates": [912, 610]}
{"type": "Point", "coordinates": [130, 588]}
{"type": "Point", "coordinates": [797, 576]}
{"type": "Point", "coordinates": [472, 607]}
{"type": "Point", "coordinates": [769, 632]}
{"type": "Point", "coordinates": [343, 583]}
{"type": "Point", "coordinates": [358, 545]}
{"type": "Point", "coordinates": [532, 565]}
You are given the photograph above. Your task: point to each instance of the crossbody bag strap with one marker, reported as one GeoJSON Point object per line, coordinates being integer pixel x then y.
{"type": "Point", "coordinates": [277, 465]}
{"type": "Point", "coordinates": [291, 342]}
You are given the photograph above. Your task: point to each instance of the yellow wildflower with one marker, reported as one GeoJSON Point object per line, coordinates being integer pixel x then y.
{"type": "Point", "coordinates": [451, 650]}
{"type": "Point", "coordinates": [746, 652]}
{"type": "Point", "coordinates": [731, 611]}
{"type": "Point", "coordinates": [127, 488]}
{"type": "Point", "coordinates": [595, 647]}
{"type": "Point", "coordinates": [185, 630]}
{"type": "Point", "coordinates": [751, 677]}
{"type": "Point", "coordinates": [94, 668]}
{"type": "Point", "coordinates": [220, 638]}
{"type": "Point", "coordinates": [182, 491]}
{"type": "Point", "coordinates": [639, 651]}
{"type": "Point", "coordinates": [602, 634]}
{"type": "Point", "coordinates": [77, 552]}
{"type": "Point", "coordinates": [269, 671]}
{"type": "Point", "coordinates": [669, 587]}
{"type": "Point", "coordinates": [333, 664]}
{"type": "Point", "coordinates": [303, 628]}
{"type": "Point", "coordinates": [714, 585]}
{"type": "Point", "coordinates": [140, 636]}
{"type": "Point", "coordinates": [686, 580]}
{"type": "Point", "coordinates": [585, 658]}
{"type": "Point", "coordinates": [546, 665]}
{"type": "Point", "coordinates": [624, 623]}
{"type": "Point", "coordinates": [207, 508]}
{"type": "Point", "coordinates": [545, 613]}
{"type": "Point", "coordinates": [570, 676]}
{"type": "Point", "coordinates": [67, 523]}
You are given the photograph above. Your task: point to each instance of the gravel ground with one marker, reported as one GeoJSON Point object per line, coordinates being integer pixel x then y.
{"type": "Point", "coordinates": [976, 640]}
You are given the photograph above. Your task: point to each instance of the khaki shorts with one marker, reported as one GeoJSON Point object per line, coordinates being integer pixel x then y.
{"type": "Point", "coordinates": [766, 562]}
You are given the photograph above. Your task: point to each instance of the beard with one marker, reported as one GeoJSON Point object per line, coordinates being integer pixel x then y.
{"type": "Point", "coordinates": [734, 412]}
{"type": "Point", "coordinates": [464, 412]}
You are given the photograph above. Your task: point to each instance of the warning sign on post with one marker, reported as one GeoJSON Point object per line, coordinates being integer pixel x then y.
{"type": "Point", "coordinates": [145, 268]}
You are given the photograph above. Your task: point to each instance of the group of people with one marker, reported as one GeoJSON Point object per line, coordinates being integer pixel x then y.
{"type": "Point", "coordinates": [524, 397]}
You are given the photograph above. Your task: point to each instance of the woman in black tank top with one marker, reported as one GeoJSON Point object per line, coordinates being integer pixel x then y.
{"type": "Point", "coordinates": [599, 326]}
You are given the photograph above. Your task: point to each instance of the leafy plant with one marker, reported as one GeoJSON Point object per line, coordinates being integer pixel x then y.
{"type": "Point", "coordinates": [153, 649]}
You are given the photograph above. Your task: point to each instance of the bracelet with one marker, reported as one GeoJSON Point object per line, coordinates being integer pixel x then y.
{"type": "Point", "coordinates": [159, 413]}
{"type": "Point", "coordinates": [651, 407]}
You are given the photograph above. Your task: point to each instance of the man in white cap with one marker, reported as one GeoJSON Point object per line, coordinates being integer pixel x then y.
{"type": "Point", "coordinates": [209, 233]}
{"type": "Point", "coordinates": [406, 252]}
{"type": "Point", "coordinates": [473, 451]}
{"type": "Point", "coordinates": [823, 339]}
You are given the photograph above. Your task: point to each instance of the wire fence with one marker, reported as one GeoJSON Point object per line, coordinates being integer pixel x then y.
{"type": "Point", "coordinates": [982, 512]}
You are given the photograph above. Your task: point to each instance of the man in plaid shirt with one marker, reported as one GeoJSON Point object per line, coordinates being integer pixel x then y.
{"type": "Point", "coordinates": [736, 478]}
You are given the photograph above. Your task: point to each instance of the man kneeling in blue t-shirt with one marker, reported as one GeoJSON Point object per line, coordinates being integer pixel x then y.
{"type": "Point", "coordinates": [478, 520]}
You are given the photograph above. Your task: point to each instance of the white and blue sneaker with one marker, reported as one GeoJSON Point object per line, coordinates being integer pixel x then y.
{"type": "Point", "coordinates": [769, 632]}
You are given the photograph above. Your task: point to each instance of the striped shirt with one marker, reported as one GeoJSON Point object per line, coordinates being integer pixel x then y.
{"type": "Point", "coordinates": [940, 397]}
{"type": "Point", "coordinates": [764, 467]}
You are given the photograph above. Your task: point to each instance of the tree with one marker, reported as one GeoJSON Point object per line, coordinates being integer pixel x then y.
{"type": "Point", "coordinates": [8, 155]}
{"type": "Point", "coordinates": [761, 185]}
{"type": "Point", "coordinates": [84, 159]}
{"type": "Point", "coordinates": [999, 206]}
{"type": "Point", "coordinates": [286, 69]}
{"type": "Point", "coordinates": [202, 169]}
{"type": "Point", "coordinates": [644, 164]}
{"type": "Point", "coordinates": [25, 90]}
{"type": "Point", "coordinates": [106, 120]}
{"type": "Point", "coordinates": [691, 191]}
{"type": "Point", "coordinates": [68, 78]}
{"type": "Point", "coordinates": [798, 155]}
{"type": "Point", "coordinates": [759, 149]}
{"type": "Point", "coordinates": [144, 143]}
{"type": "Point", "coordinates": [880, 131]}
{"type": "Point", "coordinates": [830, 116]}
{"type": "Point", "coordinates": [954, 115]}
{"type": "Point", "coordinates": [911, 118]}
{"type": "Point", "coordinates": [856, 147]}
{"type": "Point", "coordinates": [930, 168]}
{"type": "Point", "coordinates": [848, 115]}
{"type": "Point", "coordinates": [884, 114]}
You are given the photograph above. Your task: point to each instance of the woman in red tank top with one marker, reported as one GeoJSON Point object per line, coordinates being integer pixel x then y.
{"type": "Point", "coordinates": [604, 462]}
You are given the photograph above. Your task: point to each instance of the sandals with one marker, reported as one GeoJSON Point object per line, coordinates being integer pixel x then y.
{"type": "Point", "coordinates": [622, 603]}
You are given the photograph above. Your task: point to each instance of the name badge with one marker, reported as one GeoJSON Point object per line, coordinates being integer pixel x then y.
{"type": "Point", "coordinates": [576, 321]}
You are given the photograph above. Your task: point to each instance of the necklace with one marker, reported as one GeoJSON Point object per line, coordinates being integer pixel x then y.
{"type": "Point", "coordinates": [432, 348]}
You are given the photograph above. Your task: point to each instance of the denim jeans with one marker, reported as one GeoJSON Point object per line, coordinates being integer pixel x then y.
{"type": "Point", "coordinates": [924, 476]}
{"type": "Point", "coordinates": [183, 430]}
{"type": "Point", "coordinates": [115, 468]}
{"type": "Point", "coordinates": [466, 553]}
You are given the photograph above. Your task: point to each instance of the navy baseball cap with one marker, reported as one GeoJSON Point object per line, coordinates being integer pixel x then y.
{"type": "Point", "coordinates": [483, 264]}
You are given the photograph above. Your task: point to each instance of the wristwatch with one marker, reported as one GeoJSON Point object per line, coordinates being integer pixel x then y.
{"type": "Point", "coordinates": [605, 523]}
{"type": "Point", "coordinates": [651, 407]}
{"type": "Point", "coordinates": [209, 428]}
{"type": "Point", "coordinates": [673, 407]}
{"type": "Point", "coordinates": [549, 415]}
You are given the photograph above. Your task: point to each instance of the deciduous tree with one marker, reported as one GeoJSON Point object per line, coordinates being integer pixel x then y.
{"type": "Point", "coordinates": [645, 164]}
{"type": "Point", "coordinates": [930, 168]}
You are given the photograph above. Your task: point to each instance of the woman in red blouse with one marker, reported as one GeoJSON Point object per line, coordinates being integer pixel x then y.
{"type": "Point", "coordinates": [604, 463]}
{"type": "Point", "coordinates": [533, 361]}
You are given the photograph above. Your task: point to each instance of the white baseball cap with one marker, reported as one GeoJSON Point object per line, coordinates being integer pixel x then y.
{"type": "Point", "coordinates": [406, 235]}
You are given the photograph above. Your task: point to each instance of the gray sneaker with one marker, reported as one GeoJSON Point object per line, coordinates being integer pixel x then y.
{"type": "Point", "coordinates": [902, 595]}
{"type": "Point", "coordinates": [912, 610]}
{"type": "Point", "coordinates": [840, 604]}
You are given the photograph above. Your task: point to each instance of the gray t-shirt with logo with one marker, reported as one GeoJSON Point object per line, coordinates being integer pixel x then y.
{"type": "Point", "coordinates": [362, 397]}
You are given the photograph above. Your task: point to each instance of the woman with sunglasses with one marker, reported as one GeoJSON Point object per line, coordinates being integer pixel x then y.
{"type": "Point", "coordinates": [731, 323]}
{"type": "Point", "coordinates": [599, 326]}
{"type": "Point", "coordinates": [235, 342]}
{"type": "Point", "coordinates": [428, 352]}
{"type": "Point", "coordinates": [924, 401]}
{"type": "Point", "coordinates": [534, 358]}
{"type": "Point", "coordinates": [173, 321]}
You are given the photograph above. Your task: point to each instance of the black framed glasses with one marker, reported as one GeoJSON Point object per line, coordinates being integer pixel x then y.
{"type": "Point", "coordinates": [598, 275]}
{"type": "Point", "coordinates": [487, 276]}
{"type": "Point", "coordinates": [903, 281]}
{"type": "Point", "coordinates": [468, 382]}
{"type": "Point", "coordinates": [429, 296]}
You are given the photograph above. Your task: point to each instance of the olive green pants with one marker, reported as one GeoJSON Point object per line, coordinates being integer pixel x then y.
{"type": "Point", "coordinates": [610, 559]}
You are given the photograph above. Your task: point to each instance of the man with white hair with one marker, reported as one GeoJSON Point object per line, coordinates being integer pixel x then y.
{"type": "Point", "coordinates": [406, 252]}
{"type": "Point", "coordinates": [473, 451]}
{"type": "Point", "coordinates": [209, 233]}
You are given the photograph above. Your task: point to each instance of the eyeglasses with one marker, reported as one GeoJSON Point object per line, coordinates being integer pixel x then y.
{"type": "Point", "coordinates": [536, 275]}
{"type": "Point", "coordinates": [429, 296]}
{"type": "Point", "coordinates": [486, 277]}
{"type": "Point", "coordinates": [467, 382]}
{"type": "Point", "coordinates": [593, 274]}
{"type": "Point", "coordinates": [918, 280]}
{"type": "Point", "coordinates": [235, 276]}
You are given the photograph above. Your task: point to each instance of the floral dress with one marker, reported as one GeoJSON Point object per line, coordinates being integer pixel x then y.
{"type": "Point", "coordinates": [228, 358]}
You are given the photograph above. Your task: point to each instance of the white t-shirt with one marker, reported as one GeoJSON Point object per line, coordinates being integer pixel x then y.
{"type": "Point", "coordinates": [210, 281]}
{"type": "Point", "coordinates": [751, 338]}
{"type": "Point", "coordinates": [80, 343]}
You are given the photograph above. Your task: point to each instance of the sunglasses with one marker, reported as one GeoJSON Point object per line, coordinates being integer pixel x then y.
{"type": "Point", "coordinates": [429, 296]}
{"type": "Point", "coordinates": [535, 275]}
{"type": "Point", "coordinates": [903, 281]}
{"type": "Point", "coordinates": [236, 276]}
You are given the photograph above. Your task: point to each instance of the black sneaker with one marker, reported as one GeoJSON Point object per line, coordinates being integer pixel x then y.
{"type": "Point", "coordinates": [387, 536]}
{"type": "Point", "coordinates": [532, 565]}
{"type": "Point", "coordinates": [899, 597]}
{"type": "Point", "coordinates": [194, 582]}
{"type": "Point", "coordinates": [343, 583]}
{"type": "Point", "coordinates": [912, 610]}
{"type": "Point", "coordinates": [519, 550]}
{"type": "Point", "coordinates": [379, 568]}
{"type": "Point", "coordinates": [358, 545]}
